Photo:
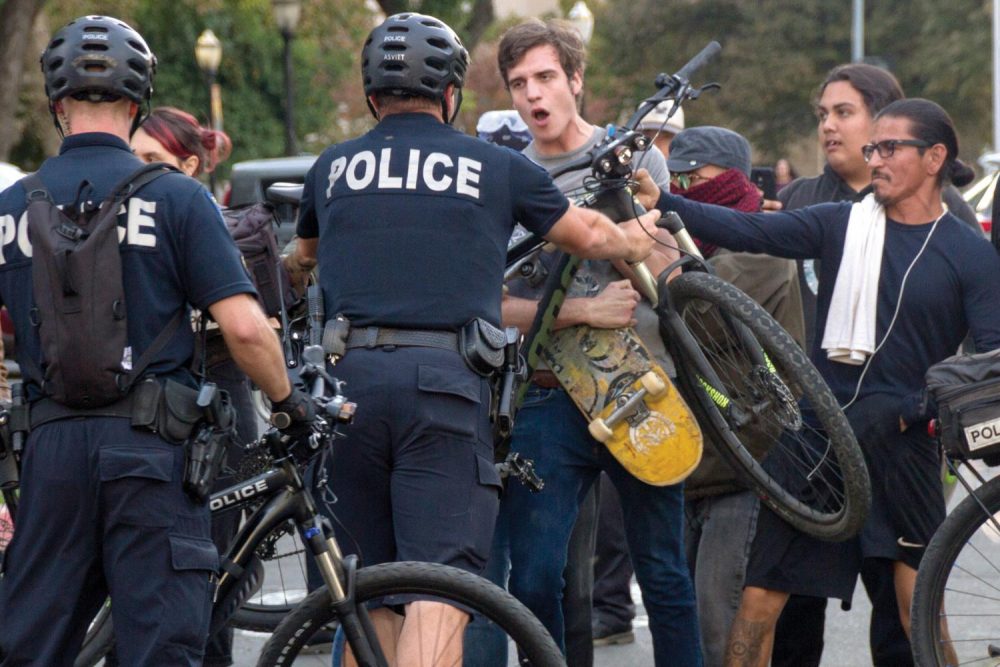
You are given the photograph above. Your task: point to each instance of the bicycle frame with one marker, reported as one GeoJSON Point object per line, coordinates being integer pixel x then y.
{"type": "Point", "coordinates": [289, 498]}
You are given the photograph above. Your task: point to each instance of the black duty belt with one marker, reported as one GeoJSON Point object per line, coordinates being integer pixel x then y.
{"type": "Point", "coordinates": [46, 410]}
{"type": "Point", "coordinates": [383, 336]}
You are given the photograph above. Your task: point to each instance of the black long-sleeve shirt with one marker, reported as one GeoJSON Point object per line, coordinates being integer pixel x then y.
{"type": "Point", "coordinates": [952, 289]}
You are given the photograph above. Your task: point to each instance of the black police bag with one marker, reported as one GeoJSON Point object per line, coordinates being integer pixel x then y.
{"type": "Point", "coordinates": [966, 388]}
{"type": "Point", "coordinates": [252, 227]}
{"type": "Point", "coordinates": [80, 297]}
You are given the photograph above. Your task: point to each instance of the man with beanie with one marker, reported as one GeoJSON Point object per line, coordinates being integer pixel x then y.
{"type": "Point", "coordinates": [712, 165]}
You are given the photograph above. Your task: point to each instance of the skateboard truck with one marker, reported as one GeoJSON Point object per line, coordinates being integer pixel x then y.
{"type": "Point", "coordinates": [652, 385]}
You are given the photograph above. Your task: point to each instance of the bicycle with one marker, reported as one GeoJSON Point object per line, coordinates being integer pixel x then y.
{"type": "Point", "coordinates": [743, 376]}
{"type": "Point", "coordinates": [955, 616]}
{"type": "Point", "coordinates": [281, 496]}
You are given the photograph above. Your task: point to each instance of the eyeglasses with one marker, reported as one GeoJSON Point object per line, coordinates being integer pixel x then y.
{"type": "Point", "coordinates": [687, 179]}
{"type": "Point", "coordinates": [887, 147]}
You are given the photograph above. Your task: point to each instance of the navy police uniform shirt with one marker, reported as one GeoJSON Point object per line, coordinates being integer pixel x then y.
{"type": "Point", "coordinates": [175, 247]}
{"type": "Point", "coordinates": [413, 220]}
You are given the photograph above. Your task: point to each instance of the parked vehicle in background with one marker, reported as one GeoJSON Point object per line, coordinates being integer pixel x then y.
{"type": "Point", "coordinates": [250, 179]}
{"type": "Point", "coordinates": [979, 195]}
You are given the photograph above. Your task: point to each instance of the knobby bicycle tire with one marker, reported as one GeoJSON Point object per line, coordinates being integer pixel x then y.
{"type": "Point", "coordinates": [958, 583]}
{"type": "Point", "coordinates": [774, 420]}
{"type": "Point", "coordinates": [409, 578]}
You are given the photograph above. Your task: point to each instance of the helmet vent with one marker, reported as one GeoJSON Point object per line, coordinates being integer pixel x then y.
{"type": "Point", "coordinates": [394, 46]}
{"type": "Point", "coordinates": [94, 46]}
{"type": "Point", "coordinates": [439, 43]}
{"type": "Point", "coordinates": [398, 28]}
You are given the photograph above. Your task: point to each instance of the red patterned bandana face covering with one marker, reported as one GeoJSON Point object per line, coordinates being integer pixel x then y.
{"type": "Point", "coordinates": [731, 189]}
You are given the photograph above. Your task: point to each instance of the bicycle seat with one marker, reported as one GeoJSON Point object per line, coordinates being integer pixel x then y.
{"type": "Point", "coordinates": [285, 193]}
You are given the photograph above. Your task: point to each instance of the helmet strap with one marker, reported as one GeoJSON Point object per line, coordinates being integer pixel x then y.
{"type": "Point", "coordinates": [371, 107]}
{"type": "Point", "coordinates": [458, 105]}
{"type": "Point", "coordinates": [141, 113]}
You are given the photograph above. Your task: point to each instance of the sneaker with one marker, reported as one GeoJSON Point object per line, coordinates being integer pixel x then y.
{"type": "Point", "coordinates": [612, 635]}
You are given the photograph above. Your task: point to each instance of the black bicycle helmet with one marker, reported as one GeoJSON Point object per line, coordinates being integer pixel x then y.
{"type": "Point", "coordinates": [98, 58]}
{"type": "Point", "coordinates": [414, 54]}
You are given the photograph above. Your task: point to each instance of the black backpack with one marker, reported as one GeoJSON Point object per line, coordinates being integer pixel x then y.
{"type": "Point", "coordinates": [252, 227]}
{"type": "Point", "coordinates": [79, 296]}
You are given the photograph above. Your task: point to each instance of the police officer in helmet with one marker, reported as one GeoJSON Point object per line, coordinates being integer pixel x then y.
{"type": "Point", "coordinates": [102, 510]}
{"type": "Point", "coordinates": [410, 225]}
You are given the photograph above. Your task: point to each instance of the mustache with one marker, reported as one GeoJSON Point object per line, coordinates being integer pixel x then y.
{"type": "Point", "coordinates": [876, 173]}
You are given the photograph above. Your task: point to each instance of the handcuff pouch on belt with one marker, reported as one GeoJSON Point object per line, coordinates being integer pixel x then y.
{"type": "Point", "coordinates": [482, 346]}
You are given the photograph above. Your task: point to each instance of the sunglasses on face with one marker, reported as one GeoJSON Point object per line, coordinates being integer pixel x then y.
{"type": "Point", "coordinates": [887, 147]}
{"type": "Point", "coordinates": [687, 179]}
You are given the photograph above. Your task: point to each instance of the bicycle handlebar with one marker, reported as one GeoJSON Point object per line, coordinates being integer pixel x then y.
{"type": "Point", "coordinates": [711, 50]}
{"type": "Point", "coordinates": [668, 84]}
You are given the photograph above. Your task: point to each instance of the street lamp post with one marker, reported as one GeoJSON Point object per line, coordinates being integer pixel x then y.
{"type": "Point", "coordinates": [208, 54]}
{"type": "Point", "coordinates": [582, 19]}
{"type": "Point", "coordinates": [286, 15]}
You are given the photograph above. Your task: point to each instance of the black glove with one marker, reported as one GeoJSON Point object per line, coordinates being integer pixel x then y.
{"type": "Point", "coordinates": [295, 415]}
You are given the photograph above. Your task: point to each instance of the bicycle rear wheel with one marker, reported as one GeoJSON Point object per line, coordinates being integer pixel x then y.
{"type": "Point", "coordinates": [765, 408]}
{"type": "Point", "coordinates": [524, 632]}
{"type": "Point", "coordinates": [956, 602]}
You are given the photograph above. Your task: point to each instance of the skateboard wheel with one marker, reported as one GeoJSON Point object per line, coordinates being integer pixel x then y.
{"type": "Point", "coordinates": [599, 430]}
{"type": "Point", "coordinates": [653, 384]}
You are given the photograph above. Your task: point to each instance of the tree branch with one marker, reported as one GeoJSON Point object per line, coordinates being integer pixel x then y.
{"type": "Point", "coordinates": [16, 18]}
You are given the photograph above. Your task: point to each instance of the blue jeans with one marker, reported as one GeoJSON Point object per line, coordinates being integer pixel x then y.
{"type": "Point", "coordinates": [536, 530]}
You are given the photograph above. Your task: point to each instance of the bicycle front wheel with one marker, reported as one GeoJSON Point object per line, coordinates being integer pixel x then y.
{"type": "Point", "coordinates": [765, 409]}
{"type": "Point", "coordinates": [956, 602]}
{"type": "Point", "coordinates": [525, 634]}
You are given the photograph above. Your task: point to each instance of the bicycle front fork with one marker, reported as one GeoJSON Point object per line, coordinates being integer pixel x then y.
{"type": "Point", "coordinates": [339, 575]}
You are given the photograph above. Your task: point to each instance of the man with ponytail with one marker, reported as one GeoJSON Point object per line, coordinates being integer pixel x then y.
{"type": "Point", "coordinates": [935, 281]}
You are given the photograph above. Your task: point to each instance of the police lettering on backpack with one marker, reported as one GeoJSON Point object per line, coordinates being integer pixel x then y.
{"type": "Point", "coordinates": [437, 172]}
{"type": "Point", "coordinates": [138, 229]}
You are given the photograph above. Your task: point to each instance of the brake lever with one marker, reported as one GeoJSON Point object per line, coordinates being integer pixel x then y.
{"type": "Point", "coordinates": [695, 93]}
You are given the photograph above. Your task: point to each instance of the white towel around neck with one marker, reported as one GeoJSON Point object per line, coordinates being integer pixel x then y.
{"type": "Point", "coordinates": [849, 336]}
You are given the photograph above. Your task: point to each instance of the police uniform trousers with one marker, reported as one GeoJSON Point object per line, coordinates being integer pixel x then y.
{"type": "Point", "coordinates": [414, 477]}
{"type": "Point", "coordinates": [102, 512]}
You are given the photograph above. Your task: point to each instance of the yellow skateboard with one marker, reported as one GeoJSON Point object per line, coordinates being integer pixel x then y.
{"type": "Point", "coordinates": [629, 401]}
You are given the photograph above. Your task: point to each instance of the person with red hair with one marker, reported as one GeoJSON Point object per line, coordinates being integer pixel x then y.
{"type": "Point", "coordinates": [175, 137]}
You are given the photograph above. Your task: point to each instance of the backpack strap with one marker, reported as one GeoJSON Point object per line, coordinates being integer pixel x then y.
{"type": "Point", "coordinates": [154, 348]}
{"type": "Point", "coordinates": [34, 189]}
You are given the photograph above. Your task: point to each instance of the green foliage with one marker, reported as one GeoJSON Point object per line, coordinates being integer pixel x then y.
{"type": "Point", "coordinates": [776, 53]}
{"type": "Point", "coordinates": [327, 91]}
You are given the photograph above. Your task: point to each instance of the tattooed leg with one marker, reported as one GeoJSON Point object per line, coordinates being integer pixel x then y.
{"type": "Point", "coordinates": [751, 637]}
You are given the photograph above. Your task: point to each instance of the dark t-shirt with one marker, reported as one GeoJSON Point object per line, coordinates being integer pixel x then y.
{"type": "Point", "coordinates": [951, 291]}
{"type": "Point", "coordinates": [175, 248]}
{"type": "Point", "coordinates": [413, 220]}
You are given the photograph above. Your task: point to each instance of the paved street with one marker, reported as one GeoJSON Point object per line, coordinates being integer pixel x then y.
{"type": "Point", "coordinates": [846, 641]}
{"type": "Point", "coordinates": [846, 633]}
